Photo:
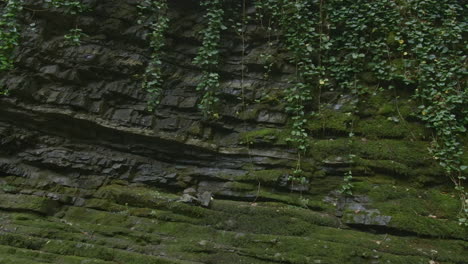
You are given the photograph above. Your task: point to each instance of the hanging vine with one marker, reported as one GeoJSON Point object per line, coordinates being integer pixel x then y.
{"type": "Point", "coordinates": [75, 35]}
{"type": "Point", "coordinates": [300, 34]}
{"type": "Point", "coordinates": [267, 14]}
{"type": "Point", "coordinates": [9, 36]}
{"type": "Point", "coordinates": [208, 57]}
{"type": "Point", "coordinates": [72, 6]}
{"type": "Point", "coordinates": [433, 42]}
{"type": "Point", "coordinates": [297, 20]}
{"type": "Point", "coordinates": [155, 15]}
{"type": "Point", "coordinates": [347, 44]}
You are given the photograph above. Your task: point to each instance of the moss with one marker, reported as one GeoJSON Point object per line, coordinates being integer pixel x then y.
{"type": "Point", "coordinates": [94, 251]}
{"type": "Point", "coordinates": [128, 224]}
{"type": "Point", "coordinates": [424, 225]}
{"type": "Point", "coordinates": [264, 136]}
{"type": "Point", "coordinates": [389, 166]}
{"type": "Point", "coordinates": [251, 113]}
{"type": "Point", "coordinates": [104, 205]}
{"type": "Point", "coordinates": [261, 233]}
{"type": "Point", "coordinates": [19, 241]}
{"type": "Point", "coordinates": [135, 196]}
{"type": "Point", "coordinates": [325, 148]}
{"type": "Point", "coordinates": [269, 177]}
{"type": "Point", "coordinates": [425, 212]}
{"type": "Point", "coordinates": [389, 127]}
{"type": "Point", "coordinates": [275, 218]}
{"type": "Point", "coordinates": [8, 188]}
{"type": "Point", "coordinates": [264, 193]}
{"type": "Point", "coordinates": [411, 154]}
{"type": "Point", "coordinates": [399, 106]}
{"type": "Point", "coordinates": [28, 203]}
{"type": "Point", "coordinates": [23, 256]}
{"type": "Point", "coordinates": [23, 216]}
{"type": "Point", "coordinates": [330, 121]}
{"type": "Point", "coordinates": [21, 183]}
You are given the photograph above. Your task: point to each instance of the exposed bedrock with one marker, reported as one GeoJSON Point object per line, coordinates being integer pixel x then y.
{"type": "Point", "coordinates": [88, 175]}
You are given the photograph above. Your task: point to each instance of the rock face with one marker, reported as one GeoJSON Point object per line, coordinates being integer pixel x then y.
{"type": "Point", "coordinates": [87, 175]}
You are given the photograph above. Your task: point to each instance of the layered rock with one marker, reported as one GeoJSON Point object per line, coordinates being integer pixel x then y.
{"type": "Point", "coordinates": [87, 175]}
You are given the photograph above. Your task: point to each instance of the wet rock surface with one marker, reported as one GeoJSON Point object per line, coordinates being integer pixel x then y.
{"type": "Point", "coordinates": [88, 175]}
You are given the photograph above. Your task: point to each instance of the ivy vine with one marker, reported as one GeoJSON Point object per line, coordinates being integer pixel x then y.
{"type": "Point", "coordinates": [75, 35]}
{"type": "Point", "coordinates": [72, 6]}
{"type": "Point", "coordinates": [297, 20]}
{"type": "Point", "coordinates": [299, 32]}
{"type": "Point", "coordinates": [9, 36]}
{"type": "Point", "coordinates": [436, 63]}
{"type": "Point", "coordinates": [208, 57]}
{"type": "Point", "coordinates": [364, 47]}
{"type": "Point", "coordinates": [155, 12]}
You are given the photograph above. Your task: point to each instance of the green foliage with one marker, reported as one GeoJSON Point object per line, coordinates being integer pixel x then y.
{"type": "Point", "coordinates": [74, 36]}
{"type": "Point", "coordinates": [349, 44]}
{"type": "Point", "coordinates": [432, 38]}
{"type": "Point", "coordinates": [72, 6]}
{"type": "Point", "coordinates": [208, 57]}
{"type": "Point", "coordinates": [154, 14]}
{"type": "Point", "coordinates": [297, 20]}
{"type": "Point", "coordinates": [9, 36]}
{"type": "Point", "coordinates": [347, 186]}
{"type": "Point", "coordinates": [357, 38]}
{"type": "Point", "coordinates": [266, 12]}
{"type": "Point", "coordinates": [361, 47]}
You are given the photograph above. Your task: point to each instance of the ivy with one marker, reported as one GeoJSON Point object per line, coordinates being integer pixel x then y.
{"type": "Point", "coordinates": [208, 57]}
{"type": "Point", "coordinates": [347, 186]}
{"type": "Point", "coordinates": [415, 43]}
{"type": "Point", "coordinates": [158, 23]}
{"type": "Point", "coordinates": [9, 36]}
{"type": "Point", "coordinates": [9, 29]}
{"type": "Point", "coordinates": [364, 47]}
{"type": "Point", "coordinates": [297, 20]}
{"type": "Point", "coordinates": [267, 13]}
{"type": "Point", "coordinates": [434, 44]}
{"type": "Point", "coordinates": [74, 36]}
{"type": "Point", "coordinates": [299, 33]}
{"type": "Point", "coordinates": [72, 6]}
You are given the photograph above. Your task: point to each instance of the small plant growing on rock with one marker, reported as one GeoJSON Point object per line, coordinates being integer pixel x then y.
{"type": "Point", "coordinates": [347, 186]}
{"type": "Point", "coordinates": [75, 36]}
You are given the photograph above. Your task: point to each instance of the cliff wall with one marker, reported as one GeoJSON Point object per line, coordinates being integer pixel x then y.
{"type": "Point", "coordinates": [88, 175]}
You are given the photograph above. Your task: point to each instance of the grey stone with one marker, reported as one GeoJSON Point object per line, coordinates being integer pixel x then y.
{"type": "Point", "coordinates": [271, 117]}
{"type": "Point", "coordinates": [205, 199]}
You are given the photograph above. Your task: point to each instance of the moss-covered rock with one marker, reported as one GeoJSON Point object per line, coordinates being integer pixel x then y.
{"type": "Point", "coordinates": [35, 204]}
{"type": "Point", "coordinates": [424, 212]}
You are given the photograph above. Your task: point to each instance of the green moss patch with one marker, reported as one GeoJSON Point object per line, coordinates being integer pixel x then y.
{"type": "Point", "coordinates": [330, 122]}
{"type": "Point", "coordinates": [271, 136]}
{"type": "Point", "coordinates": [28, 203]}
{"type": "Point", "coordinates": [425, 212]}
